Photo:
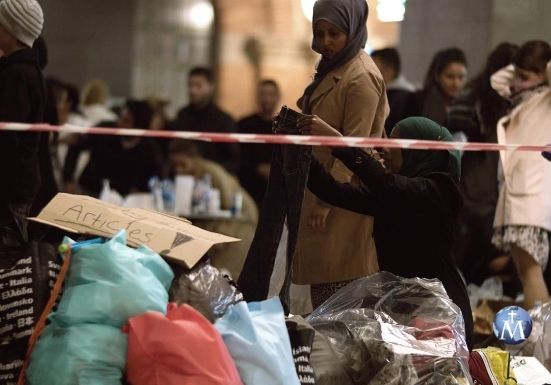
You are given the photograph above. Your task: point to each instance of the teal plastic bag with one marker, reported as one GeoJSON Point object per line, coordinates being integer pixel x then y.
{"type": "Point", "coordinates": [109, 283]}
{"type": "Point", "coordinates": [83, 355]}
{"type": "Point", "coordinates": [258, 341]}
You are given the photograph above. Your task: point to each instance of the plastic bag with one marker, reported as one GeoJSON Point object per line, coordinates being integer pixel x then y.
{"type": "Point", "coordinates": [207, 290]}
{"type": "Point", "coordinates": [109, 283]}
{"type": "Point", "coordinates": [186, 346]}
{"type": "Point", "coordinates": [391, 330]}
{"type": "Point", "coordinates": [302, 337]}
{"type": "Point", "coordinates": [328, 369]}
{"type": "Point", "coordinates": [358, 338]}
{"type": "Point", "coordinates": [539, 342]}
{"type": "Point", "coordinates": [27, 274]}
{"type": "Point", "coordinates": [85, 355]}
{"type": "Point", "coordinates": [257, 339]}
{"type": "Point", "coordinates": [541, 316]}
{"type": "Point", "coordinates": [491, 288]}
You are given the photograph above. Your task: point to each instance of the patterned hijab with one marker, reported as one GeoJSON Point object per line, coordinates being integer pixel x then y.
{"type": "Point", "coordinates": [423, 162]}
{"type": "Point", "coordinates": [350, 16]}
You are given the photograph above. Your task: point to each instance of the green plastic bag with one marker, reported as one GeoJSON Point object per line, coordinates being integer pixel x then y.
{"type": "Point", "coordinates": [84, 355]}
{"type": "Point", "coordinates": [109, 283]}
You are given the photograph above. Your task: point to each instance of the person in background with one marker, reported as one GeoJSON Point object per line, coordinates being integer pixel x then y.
{"type": "Point", "coordinates": [22, 100]}
{"type": "Point", "coordinates": [160, 121]}
{"type": "Point", "coordinates": [446, 77]}
{"type": "Point", "coordinates": [58, 110]}
{"type": "Point", "coordinates": [475, 112]}
{"type": "Point", "coordinates": [256, 159]}
{"type": "Point", "coordinates": [185, 159]}
{"type": "Point", "coordinates": [335, 246]}
{"type": "Point", "coordinates": [415, 200]}
{"type": "Point", "coordinates": [73, 98]}
{"type": "Point", "coordinates": [95, 98]}
{"type": "Point", "coordinates": [203, 115]}
{"type": "Point", "coordinates": [128, 163]}
{"type": "Point", "coordinates": [398, 89]}
{"type": "Point", "coordinates": [523, 214]}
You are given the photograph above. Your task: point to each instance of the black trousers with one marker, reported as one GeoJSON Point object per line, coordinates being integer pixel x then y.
{"type": "Point", "coordinates": [283, 201]}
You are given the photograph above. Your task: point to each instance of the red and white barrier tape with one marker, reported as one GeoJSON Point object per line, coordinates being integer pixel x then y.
{"type": "Point", "coordinates": [278, 139]}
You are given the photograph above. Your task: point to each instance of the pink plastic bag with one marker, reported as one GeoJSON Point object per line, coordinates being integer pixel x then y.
{"type": "Point", "coordinates": [182, 348]}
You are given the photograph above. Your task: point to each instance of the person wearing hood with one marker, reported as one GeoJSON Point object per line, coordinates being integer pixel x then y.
{"type": "Point", "coordinates": [348, 93]}
{"type": "Point", "coordinates": [22, 100]}
{"type": "Point", "coordinates": [414, 199]}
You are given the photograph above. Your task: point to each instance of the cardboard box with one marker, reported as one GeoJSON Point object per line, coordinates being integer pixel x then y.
{"type": "Point", "coordinates": [174, 238]}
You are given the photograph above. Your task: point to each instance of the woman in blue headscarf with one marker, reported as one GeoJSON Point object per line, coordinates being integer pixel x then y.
{"type": "Point", "coordinates": [348, 93]}
{"type": "Point", "coordinates": [415, 201]}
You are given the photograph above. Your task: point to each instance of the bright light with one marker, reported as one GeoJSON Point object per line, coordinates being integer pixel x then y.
{"type": "Point", "coordinates": [391, 10]}
{"type": "Point", "coordinates": [368, 49]}
{"type": "Point", "coordinates": [200, 15]}
{"type": "Point", "coordinates": [308, 9]}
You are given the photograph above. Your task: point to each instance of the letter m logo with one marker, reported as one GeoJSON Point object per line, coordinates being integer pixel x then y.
{"type": "Point", "coordinates": [512, 332]}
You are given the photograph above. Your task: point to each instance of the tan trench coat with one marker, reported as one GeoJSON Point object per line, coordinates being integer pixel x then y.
{"type": "Point", "coordinates": [353, 100]}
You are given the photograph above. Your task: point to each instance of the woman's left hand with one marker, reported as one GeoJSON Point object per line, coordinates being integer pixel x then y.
{"type": "Point", "coordinates": [314, 125]}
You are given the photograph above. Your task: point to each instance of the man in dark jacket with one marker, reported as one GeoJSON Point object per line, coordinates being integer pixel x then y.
{"type": "Point", "coordinates": [22, 99]}
{"type": "Point", "coordinates": [256, 158]}
{"type": "Point", "coordinates": [203, 115]}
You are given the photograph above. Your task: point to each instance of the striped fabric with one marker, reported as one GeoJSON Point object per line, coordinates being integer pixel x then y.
{"type": "Point", "coordinates": [23, 19]}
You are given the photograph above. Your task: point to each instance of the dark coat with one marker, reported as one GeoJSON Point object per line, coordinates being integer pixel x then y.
{"type": "Point", "coordinates": [22, 100]}
{"type": "Point", "coordinates": [398, 100]}
{"type": "Point", "coordinates": [415, 219]}
{"type": "Point", "coordinates": [210, 119]}
{"type": "Point", "coordinates": [253, 155]}
{"type": "Point", "coordinates": [128, 170]}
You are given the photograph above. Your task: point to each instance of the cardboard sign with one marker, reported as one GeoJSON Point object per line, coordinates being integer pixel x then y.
{"type": "Point", "coordinates": [174, 238]}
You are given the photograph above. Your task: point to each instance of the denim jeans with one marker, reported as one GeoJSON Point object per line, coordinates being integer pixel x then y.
{"type": "Point", "coordinates": [283, 200]}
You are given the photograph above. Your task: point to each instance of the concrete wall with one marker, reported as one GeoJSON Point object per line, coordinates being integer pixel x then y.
{"type": "Point", "coordinates": [476, 26]}
{"type": "Point", "coordinates": [431, 25]}
{"type": "Point", "coordinates": [518, 21]}
{"type": "Point", "coordinates": [89, 39]}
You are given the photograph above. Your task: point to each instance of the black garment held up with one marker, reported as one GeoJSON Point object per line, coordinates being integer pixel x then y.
{"type": "Point", "coordinates": [415, 220]}
{"type": "Point", "coordinates": [283, 200]}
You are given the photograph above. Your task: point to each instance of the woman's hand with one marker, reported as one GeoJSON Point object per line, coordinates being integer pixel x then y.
{"type": "Point", "coordinates": [318, 217]}
{"type": "Point", "coordinates": [314, 125]}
